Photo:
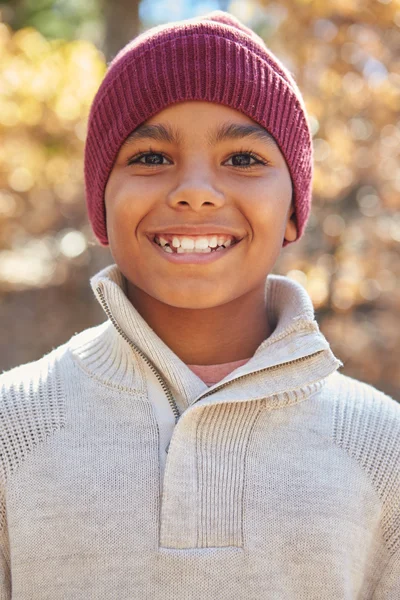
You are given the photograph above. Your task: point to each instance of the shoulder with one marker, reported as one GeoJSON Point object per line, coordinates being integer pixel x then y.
{"type": "Point", "coordinates": [32, 404]}
{"type": "Point", "coordinates": [358, 405]}
{"type": "Point", "coordinates": [366, 425]}
{"type": "Point", "coordinates": [364, 418]}
{"type": "Point", "coordinates": [36, 378]}
{"type": "Point", "coordinates": [41, 377]}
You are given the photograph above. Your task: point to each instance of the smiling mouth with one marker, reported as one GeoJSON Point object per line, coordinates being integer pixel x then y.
{"type": "Point", "coordinates": [174, 244]}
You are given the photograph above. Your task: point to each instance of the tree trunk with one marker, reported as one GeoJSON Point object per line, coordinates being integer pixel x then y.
{"type": "Point", "coordinates": [122, 24]}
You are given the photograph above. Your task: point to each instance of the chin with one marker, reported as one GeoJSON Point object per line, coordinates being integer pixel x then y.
{"type": "Point", "coordinates": [190, 299]}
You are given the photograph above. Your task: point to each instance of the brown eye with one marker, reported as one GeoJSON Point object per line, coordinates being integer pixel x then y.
{"type": "Point", "coordinates": [154, 159]}
{"type": "Point", "coordinates": [243, 160]}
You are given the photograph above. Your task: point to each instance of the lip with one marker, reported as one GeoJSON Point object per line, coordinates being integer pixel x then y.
{"type": "Point", "coordinates": [194, 258]}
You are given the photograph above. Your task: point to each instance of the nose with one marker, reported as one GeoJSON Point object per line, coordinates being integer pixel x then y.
{"type": "Point", "coordinates": [195, 191]}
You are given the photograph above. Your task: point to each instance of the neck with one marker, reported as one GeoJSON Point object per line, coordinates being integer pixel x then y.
{"type": "Point", "coordinates": [217, 335]}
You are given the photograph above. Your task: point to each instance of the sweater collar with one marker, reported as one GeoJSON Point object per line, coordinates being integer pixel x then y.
{"type": "Point", "coordinates": [296, 354]}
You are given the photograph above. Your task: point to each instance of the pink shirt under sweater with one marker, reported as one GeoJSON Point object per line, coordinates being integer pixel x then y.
{"type": "Point", "coordinates": [211, 374]}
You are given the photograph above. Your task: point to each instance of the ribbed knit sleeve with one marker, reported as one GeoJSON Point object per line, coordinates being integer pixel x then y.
{"type": "Point", "coordinates": [31, 409]}
{"type": "Point", "coordinates": [5, 573]}
{"type": "Point", "coordinates": [388, 587]}
{"type": "Point", "coordinates": [366, 425]}
{"type": "Point", "coordinates": [5, 576]}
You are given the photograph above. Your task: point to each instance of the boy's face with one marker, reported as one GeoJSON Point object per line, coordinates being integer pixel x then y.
{"type": "Point", "coordinates": [195, 182]}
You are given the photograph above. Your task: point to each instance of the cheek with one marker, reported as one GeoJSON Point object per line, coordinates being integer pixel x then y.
{"type": "Point", "coordinates": [267, 201]}
{"type": "Point", "coordinates": [278, 187]}
{"type": "Point", "coordinates": [126, 205]}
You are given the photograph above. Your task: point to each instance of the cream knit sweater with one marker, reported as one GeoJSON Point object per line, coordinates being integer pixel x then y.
{"type": "Point", "coordinates": [281, 482]}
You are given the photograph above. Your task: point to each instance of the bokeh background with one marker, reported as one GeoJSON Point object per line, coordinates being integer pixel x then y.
{"type": "Point", "coordinates": [345, 56]}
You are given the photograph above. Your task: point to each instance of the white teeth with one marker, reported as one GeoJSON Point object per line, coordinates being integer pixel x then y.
{"type": "Point", "coordinates": [201, 243]}
{"type": "Point", "coordinates": [196, 244]}
{"type": "Point", "coordinates": [168, 249]}
{"type": "Point", "coordinates": [181, 250]}
{"type": "Point", "coordinates": [187, 243]}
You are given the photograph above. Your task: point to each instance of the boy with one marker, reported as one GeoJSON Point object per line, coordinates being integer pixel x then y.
{"type": "Point", "coordinates": [201, 442]}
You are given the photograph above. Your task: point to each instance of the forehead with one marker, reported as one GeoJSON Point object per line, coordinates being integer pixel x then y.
{"type": "Point", "coordinates": [216, 123]}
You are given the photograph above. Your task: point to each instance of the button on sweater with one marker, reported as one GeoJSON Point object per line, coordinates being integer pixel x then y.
{"type": "Point", "coordinates": [124, 476]}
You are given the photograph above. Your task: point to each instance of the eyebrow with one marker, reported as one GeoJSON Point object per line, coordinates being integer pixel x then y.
{"type": "Point", "coordinates": [226, 131]}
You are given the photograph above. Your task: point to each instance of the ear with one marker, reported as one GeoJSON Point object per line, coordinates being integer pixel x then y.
{"type": "Point", "coordinates": [291, 228]}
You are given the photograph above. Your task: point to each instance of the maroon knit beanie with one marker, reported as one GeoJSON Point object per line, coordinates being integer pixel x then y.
{"type": "Point", "coordinates": [213, 58]}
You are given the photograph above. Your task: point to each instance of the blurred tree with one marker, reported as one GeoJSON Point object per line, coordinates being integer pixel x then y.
{"type": "Point", "coordinates": [109, 25]}
{"type": "Point", "coordinates": [122, 24]}
{"type": "Point", "coordinates": [56, 19]}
